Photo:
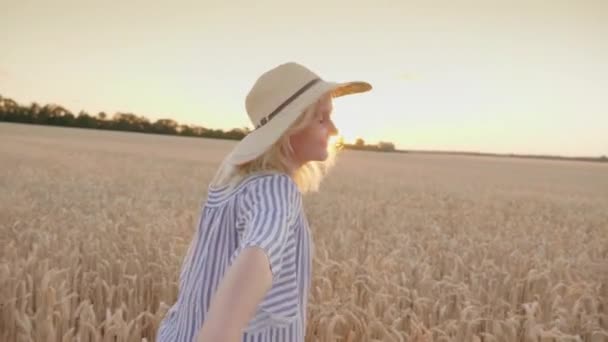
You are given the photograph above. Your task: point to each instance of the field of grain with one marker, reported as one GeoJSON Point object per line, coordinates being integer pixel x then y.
{"type": "Point", "coordinates": [409, 247]}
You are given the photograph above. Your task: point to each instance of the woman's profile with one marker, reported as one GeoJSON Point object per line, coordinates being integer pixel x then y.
{"type": "Point", "coordinates": [247, 272]}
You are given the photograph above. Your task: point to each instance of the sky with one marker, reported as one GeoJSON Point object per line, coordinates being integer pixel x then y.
{"type": "Point", "coordinates": [527, 77]}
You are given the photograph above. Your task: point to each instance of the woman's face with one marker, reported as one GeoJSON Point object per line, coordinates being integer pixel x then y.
{"type": "Point", "coordinates": [311, 143]}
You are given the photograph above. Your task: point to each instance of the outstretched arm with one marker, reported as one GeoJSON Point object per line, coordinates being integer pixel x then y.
{"type": "Point", "coordinates": [241, 289]}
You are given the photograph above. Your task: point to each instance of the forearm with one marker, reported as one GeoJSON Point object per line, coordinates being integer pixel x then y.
{"type": "Point", "coordinates": [218, 333]}
{"type": "Point", "coordinates": [233, 304]}
{"type": "Point", "coordinates": [221, 331]}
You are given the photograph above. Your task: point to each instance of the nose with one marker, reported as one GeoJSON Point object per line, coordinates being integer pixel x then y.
{"type": "Point", "coordinates": [333, 130]}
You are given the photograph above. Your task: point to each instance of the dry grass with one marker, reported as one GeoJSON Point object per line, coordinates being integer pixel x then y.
{"type": "Point", "coordinates": [93, 226]}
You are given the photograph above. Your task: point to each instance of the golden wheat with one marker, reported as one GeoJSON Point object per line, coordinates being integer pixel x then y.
{"type": "Point", "coordinates": [94, 225]}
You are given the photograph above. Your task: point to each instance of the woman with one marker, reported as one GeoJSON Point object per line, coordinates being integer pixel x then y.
{"type": "Point", "coordinates": [247, 272]}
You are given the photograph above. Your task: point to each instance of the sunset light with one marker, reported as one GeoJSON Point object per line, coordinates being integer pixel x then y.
{"type": "Point", "coordinates": [510, 77]}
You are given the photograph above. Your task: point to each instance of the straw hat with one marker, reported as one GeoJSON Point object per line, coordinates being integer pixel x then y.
{"type": "Point", "coordinates": [277, 99]}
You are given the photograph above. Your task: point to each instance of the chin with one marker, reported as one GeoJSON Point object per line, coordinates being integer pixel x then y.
{"type": "Point", "coordinates": [319, 158]}
{"type": "Point", "coordinates": [322, 157]}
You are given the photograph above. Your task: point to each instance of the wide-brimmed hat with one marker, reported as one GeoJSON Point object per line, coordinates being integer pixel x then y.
{"type": "Point", "coordinates": [278, 97]}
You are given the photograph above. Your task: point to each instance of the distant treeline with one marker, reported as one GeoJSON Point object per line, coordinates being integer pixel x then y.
{"type": "Point", "coordinates": [52, 114]}
{"type": "Point", "coordinates": [56, 115]}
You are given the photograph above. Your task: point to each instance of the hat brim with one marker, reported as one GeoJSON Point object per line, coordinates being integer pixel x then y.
{"type": "Point", "coordinates": [258, 141]}
{"type": "Point", "coordinates": [348, 88]}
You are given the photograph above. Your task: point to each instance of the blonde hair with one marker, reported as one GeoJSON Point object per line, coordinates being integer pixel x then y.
{"type": "Point", "coordinates": [279, 156]}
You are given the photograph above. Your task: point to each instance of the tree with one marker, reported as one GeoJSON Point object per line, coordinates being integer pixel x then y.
{"type": "Point", "coordinates": [386, 146]}
{"type": "Point", "coordinates": [165, 126]}
{"type": "Point", "coordinates": [235, 134]}
{"type": "Point", "coordinates": [130, 122]}
{"type": "Point", "coordinates": [9, 106]}
{"type": "Point", "coordinates": [360, 142]}
{"type": "Point", "coordinates": [246, 130]}
{"type": "Point", "coordinates": [85, 120]}
{"type": "Point", "coordinates": [34, 109]}
{"type": "Point", "coordinates": [185, 130]}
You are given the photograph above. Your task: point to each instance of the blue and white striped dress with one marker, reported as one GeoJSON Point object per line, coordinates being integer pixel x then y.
{"type": "Point", "coordinates": [263, 210]}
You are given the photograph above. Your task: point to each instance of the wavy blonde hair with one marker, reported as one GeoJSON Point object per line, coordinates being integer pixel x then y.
{"type": "Point", "coordinates": [280, 155]}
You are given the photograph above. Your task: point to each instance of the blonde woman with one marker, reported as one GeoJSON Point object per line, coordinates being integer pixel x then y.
{"type": "Point", "coordinates": [247, 272]}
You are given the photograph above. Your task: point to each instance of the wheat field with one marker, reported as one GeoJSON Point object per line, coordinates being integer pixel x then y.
{"type": "Point", "coordinates": [408, 247]}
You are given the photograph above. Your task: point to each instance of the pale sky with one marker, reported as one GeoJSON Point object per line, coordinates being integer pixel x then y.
{"type": "Point", "coordinates": [489, 76]}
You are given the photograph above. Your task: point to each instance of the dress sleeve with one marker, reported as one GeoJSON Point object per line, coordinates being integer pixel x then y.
{"type": "Point", "coordinates": [270, 206]}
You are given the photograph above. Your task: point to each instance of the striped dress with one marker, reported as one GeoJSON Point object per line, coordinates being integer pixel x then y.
{"type": "Point", "coordinates": [263, 210]}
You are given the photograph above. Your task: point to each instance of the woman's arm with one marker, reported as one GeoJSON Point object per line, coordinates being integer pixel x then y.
{"type": "Point", "coordinates": [241, 289]}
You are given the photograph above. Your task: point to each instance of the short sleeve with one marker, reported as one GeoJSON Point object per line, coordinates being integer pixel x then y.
{"type": "Point", "coordinates": [270, 203]}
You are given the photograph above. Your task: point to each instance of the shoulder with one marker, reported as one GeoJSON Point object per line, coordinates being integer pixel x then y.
{"type": "Point", "coordinates": [278, 188]}
{"type": "Point", "coordinates": [280, 184]}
